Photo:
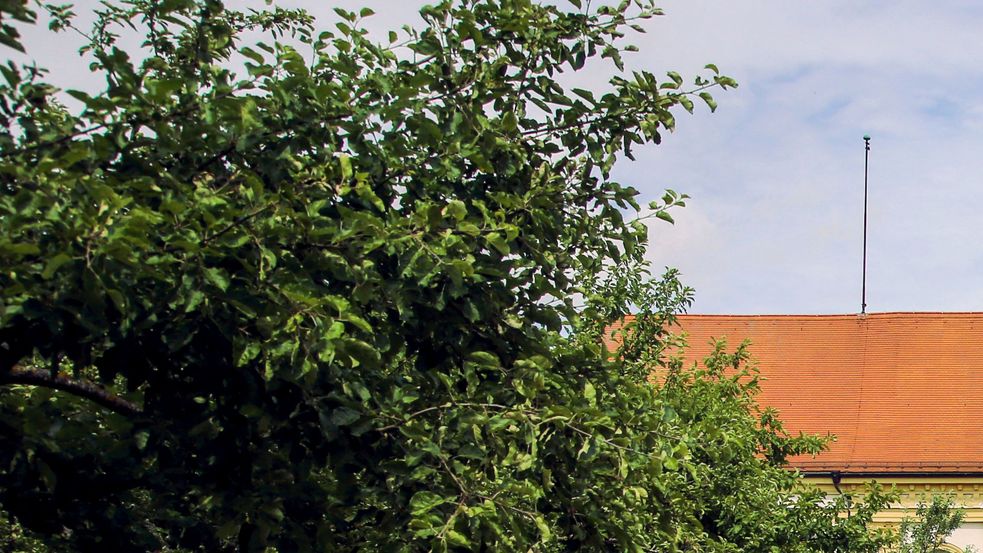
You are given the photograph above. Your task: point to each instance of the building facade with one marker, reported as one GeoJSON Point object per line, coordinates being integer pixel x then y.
{"type": "Point", "coordinates": [901, 393]}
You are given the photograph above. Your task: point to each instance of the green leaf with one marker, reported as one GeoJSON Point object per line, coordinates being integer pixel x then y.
{"type": "Point", "coordinates": [585, 94]}
{"type": "Point", "coordinates": [544, 529]}
{"type": "Point", "coordinates": [345, 162]}
{"type": "Point", "coordinates": [509, 122]}
{"type": "Point", "coordinates": [686, 103]}
{"type": "Point", "coordinates": [140, 439]}
{"type": "Point", "coordinates": [343, 416]}
{"type": "Point", "coordinates": [424, 501]}
{"type": "Point", "coordinates": [217, 277]}
{"type": "Point", "coordinates": [708, 98]}
{"type": "Point", "coordinates": [498, 242]}
{"type": "Point", "coordinates": [365, 192]}
{"type": "Point", "coordinates": [22, 248]}
{"type": "Point", "coordinates": [162, 89]}
{"type": "Point", "coordinates": [456, 538]}
{"type": "Point", "coordinates": [456, 209]}
{"type": "Point", "coordinates": [195, 298]}
{"type": "Point", "coordinates": [484, 359]}
{"type": "Point", "coordinates": [54, 264]}
{"type": "Point", "coordinates": [252, 54]}
{"type": "Point", "coordinates": [250, 352]}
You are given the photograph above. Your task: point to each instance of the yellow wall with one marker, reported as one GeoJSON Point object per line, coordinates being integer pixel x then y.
{"type": "Point", "coordinates": [967, 492]}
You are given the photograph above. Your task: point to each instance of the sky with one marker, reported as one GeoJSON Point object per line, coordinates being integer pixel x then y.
{"type": "Point", "coordinates": [775, 220]}
{"type": "Point", "coordinates": [776, 175]}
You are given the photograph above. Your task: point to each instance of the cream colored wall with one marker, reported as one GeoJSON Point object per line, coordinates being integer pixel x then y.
{"type": "Point", "coordinates": [967, 492]}
{"type": "Point", "coordinates": [968, 534]}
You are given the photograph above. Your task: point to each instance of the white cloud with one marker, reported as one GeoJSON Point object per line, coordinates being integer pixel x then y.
{"type": "Point", "coordinates": [779, 168]}
{"type": "Point", "coordinates": [776, 175]}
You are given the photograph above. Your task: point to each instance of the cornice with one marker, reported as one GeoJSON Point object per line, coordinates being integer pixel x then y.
{"type": "Point", "coordinates": [966, 491]}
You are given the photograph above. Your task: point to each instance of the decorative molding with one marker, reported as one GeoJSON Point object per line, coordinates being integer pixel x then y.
{"type": "Point", "coordinates": [966, 491]}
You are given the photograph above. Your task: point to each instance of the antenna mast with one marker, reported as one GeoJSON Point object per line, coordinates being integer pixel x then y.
{"type": "Point", "coordinates": [863, 289]}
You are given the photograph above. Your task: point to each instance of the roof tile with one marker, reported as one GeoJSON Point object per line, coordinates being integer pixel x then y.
{"type": "Point", "coordinates": [902, 392]}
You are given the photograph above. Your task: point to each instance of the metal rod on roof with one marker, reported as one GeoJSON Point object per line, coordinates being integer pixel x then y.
{"type": "Point", "coordinates": [863, 289]}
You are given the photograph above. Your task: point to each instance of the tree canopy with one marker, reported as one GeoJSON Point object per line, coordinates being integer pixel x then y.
{"type": "Point", "coordinates": [279, 288]}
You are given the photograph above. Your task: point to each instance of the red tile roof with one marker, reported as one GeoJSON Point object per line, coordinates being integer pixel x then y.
{"type": "Point", "coordinates": [902, 392]}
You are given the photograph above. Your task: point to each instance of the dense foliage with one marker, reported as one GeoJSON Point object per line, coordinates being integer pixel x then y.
{"type": "Point", "coordinates": [308, 292]}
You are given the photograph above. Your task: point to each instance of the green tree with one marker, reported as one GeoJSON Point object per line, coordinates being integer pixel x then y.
{"type": "Point", "coordinates": [332, 302]}
{"type": "Point", "coordinates": [933, 522]}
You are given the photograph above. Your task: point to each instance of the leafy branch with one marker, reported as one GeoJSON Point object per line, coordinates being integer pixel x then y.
{"type": "Point", "coordinates": [81, 388]}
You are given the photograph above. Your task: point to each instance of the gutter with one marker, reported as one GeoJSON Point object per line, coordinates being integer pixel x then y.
{"type": "Point", "coordinates": [837, 477]}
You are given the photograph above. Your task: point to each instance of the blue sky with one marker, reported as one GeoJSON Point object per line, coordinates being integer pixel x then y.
{"type": "Point", "coordinates": [776, 175]}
